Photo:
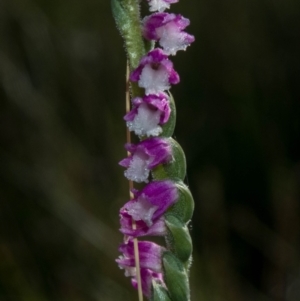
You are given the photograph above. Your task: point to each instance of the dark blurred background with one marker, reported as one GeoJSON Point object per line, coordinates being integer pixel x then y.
{"type": "Point", "coordinates": [62, 71]}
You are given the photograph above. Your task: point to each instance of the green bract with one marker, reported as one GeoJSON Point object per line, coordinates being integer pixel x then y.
{"type": "Point", "coordinates": [168, 128]}
{"type": "Point", "coordinates": [176, 278]}
{"type": "Point", "coordinates": [178, 238]}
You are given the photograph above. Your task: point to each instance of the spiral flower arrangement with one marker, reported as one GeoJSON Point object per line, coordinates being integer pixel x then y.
{"type": "Point", "coordinates": [164, 206]}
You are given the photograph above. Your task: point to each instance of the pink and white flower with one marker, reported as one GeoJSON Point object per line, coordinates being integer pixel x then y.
{"type": "Point", "coordinates": [167, 29]}
{"type": "Point", "coordinates": [145, 156]}
{"type": "Point", "coordinates": [150, 255]}
{"type": "Point", "coordinates": [150, 203]}
{"type": "Point", "coordinates": [148, 114]}
{"type": "Point", "coordinates": [158, 228]}
{"type": "Point", "coordinates": [155, 72]}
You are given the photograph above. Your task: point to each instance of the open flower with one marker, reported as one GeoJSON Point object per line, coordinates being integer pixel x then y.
{"type": "Point", "coordinates": [150, 255]}
{"type": "Point", "coordinates": [168, 30]}
{"type": "Point", "coordinates": [150, 203]}
{"type": "Point", "coordinates": [158, 228]}
{"type": "Point", "coordinates": [155, 72]}
{"type": "Point", "coordinates": [147, 276]}
{"type": "Point", "coordinates": [160, 5]}
{"type": "Point", "coordinates": [145, 156]}
{"type": "Point", "coordinates": [148, 113]}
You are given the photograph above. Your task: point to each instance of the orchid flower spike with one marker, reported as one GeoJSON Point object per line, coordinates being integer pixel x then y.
{"type": "Point", "coordinates": [168, 30]}
{"type": "Point", "coordinates": [155, 72]}
{"type": "Point", "coordinates": [163, 206]}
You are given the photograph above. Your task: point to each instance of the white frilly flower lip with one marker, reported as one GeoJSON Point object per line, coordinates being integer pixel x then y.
{"type": "Point", "coordinates": [155, 72]}
{"type": "Point", "coordinates": [148, 114]}
{"type": "Point", "coordinates": [167, 29]}
{"type": "Point", "coordinates": [160, 5]}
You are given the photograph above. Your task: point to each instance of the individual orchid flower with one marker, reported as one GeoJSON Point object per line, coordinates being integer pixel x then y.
{"type": "Point", "coordinates": [167, 29]}
{"type": "Point", "coordinates": [158, 228]}
{"type": "Point", "coordinates": [155, 72]}
{"type": "Point", "coordinates": [145, 156]}
{"type": "Point", "coordinates": [150, 255]}
{"type": "Point", "coordinates": [160, 5]}
{"type": "Point", "coordinates": [148, 114]}
{"type": "Point", "coordinates": [151, 202]}
{"type": "Point", "coordinates": [147, 277]}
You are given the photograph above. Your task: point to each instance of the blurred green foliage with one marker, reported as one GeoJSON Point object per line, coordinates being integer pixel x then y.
{"type": "Point", "coordinates": [62, 71]}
